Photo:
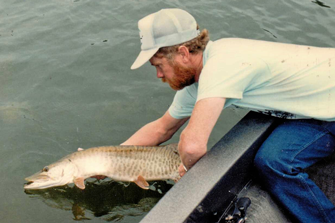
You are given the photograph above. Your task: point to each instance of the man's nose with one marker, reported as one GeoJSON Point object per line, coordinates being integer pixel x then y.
{"type": "Point", "coordinates": [160, 74]}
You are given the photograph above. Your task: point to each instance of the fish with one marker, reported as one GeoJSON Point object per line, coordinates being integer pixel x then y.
{"type": "Point", "coordinates": [138, 164]}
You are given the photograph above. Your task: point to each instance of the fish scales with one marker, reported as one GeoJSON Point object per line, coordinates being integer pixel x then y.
{"type": "Point", "coordinates": [123, 163]}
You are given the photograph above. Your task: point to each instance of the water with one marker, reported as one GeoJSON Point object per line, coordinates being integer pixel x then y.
{"type": "Point", "coordinates": [65, 83]}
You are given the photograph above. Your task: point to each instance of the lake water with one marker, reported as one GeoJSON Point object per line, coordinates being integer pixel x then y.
{"type": "Point", "coordinates": [65, 82]}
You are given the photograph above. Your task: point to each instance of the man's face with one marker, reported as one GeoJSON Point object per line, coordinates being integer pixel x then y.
{"type": "Point", "coordinates": [175, 73]}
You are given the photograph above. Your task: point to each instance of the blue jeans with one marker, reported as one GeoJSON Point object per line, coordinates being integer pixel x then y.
{"type": "Point", "coordinates": [293, 146]}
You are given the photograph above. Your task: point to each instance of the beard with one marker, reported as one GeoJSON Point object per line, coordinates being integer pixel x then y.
{"type": "Point", "coordinates": [183, 76]}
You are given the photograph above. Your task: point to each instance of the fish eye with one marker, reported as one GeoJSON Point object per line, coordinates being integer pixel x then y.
{"type": "Point", "coordinates": [45, 169]}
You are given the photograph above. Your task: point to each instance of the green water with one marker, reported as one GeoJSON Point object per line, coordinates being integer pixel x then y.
{"type": "Point", "coordinates": [65, 82]}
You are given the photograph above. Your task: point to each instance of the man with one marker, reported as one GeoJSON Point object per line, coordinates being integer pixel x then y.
{"type": "Point", "coordinates": [288, 81]}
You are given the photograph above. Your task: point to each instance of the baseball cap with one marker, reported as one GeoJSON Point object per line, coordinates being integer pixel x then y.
{"type": "Point", "coordinates": [167, 27]}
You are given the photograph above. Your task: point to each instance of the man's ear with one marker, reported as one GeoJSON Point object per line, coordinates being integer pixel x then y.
{"type": "Point", "coordinates": [184, 53]}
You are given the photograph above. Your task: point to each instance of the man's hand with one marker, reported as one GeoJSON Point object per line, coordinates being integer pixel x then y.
{"type": "Point", "coordinates": [181, 170]}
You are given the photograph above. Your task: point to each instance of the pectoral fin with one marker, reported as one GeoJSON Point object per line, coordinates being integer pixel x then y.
{"type": "Point", "coordinates": [79, 182]}
{"type": "Point", "coordinates": [141, 182]}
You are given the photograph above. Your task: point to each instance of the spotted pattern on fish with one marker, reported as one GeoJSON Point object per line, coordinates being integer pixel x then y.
{"type": "Point", "coordinates": [122, 163]}
{"type": "Point", "coordinates": [128, 162]}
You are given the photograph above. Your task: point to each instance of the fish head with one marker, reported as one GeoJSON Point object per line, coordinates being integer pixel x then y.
{"type": "Point", "coordinates": [56, 174]}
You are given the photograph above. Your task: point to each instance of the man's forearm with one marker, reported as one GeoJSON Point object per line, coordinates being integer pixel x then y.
{"type": "Point", "coordinates": [194, 138]}
{"type": "Point", "coordinates": [148, 135]}
{"type": "Point", "coordinates": [156, 132]}
{"type": "Point", "coordinates": [190, 150]}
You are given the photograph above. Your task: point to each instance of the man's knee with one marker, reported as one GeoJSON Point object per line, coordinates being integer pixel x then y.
{"type": "Point", "coordinates": [261, 163]}
{"type": "Point", "coordinates": [268, 163]}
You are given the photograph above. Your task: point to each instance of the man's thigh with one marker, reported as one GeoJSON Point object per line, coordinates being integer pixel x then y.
{"type": "Point", "coordinates": [297, 144]}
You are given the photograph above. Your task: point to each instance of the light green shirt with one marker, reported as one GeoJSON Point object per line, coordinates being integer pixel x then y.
{"type": "Point", "coordinates": [283, 80]}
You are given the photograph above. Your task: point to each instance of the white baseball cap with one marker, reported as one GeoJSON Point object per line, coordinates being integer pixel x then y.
{"type": "Point", "coordinates": [167, 27]}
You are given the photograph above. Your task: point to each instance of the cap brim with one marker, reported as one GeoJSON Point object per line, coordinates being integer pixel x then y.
{"type": "Point", "coordinates": [143, 57]}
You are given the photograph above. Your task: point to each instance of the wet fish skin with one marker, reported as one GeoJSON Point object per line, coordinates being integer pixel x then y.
{"type": "Point", "coordinates": [137, 164]}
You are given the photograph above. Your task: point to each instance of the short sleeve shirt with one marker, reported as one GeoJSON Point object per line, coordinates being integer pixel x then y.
{"type": "Point", "coordinates": [282, 80]}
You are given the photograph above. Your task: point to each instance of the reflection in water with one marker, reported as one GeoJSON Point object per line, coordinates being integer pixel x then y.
{"type": "Point", "coordinates": [78, 212]}
{"type": "Point", "coordinates": [108, 199]}
{"type": "Point", "coordinates": [320, 4]}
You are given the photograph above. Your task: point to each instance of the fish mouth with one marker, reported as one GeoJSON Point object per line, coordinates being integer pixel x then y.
{"type": "Point", "coordinates": [39, 181]}
{"type": "Point", "coordinates": [37, 177]}
{"type": "Point", "coordinates": [35, 185]}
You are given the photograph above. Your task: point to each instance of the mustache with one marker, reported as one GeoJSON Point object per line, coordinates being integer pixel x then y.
{"type": "Point", "coordinates": [183, 76]}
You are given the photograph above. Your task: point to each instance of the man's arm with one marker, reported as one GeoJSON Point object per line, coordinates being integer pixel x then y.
{"type": "Point", "coordinates": [156, 132]}
{"type": "Point", "coordinates": [193, 140]}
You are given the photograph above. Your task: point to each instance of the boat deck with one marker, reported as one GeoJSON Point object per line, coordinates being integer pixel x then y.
{"type": "Point", "coordinates": [208, 191]}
